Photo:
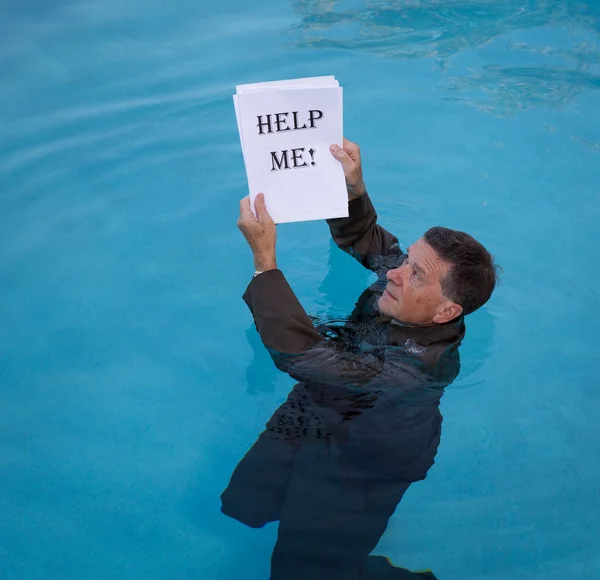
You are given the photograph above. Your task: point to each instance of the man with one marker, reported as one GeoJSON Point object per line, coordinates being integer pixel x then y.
{"type": "Point", "coordinates": [363, 422]}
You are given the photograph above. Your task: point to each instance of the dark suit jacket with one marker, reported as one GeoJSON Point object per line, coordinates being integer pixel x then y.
{"type": "Point", "coordinates": [371, 385]}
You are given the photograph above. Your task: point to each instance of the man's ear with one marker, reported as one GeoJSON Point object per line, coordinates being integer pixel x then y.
{"type": "Point", "coordinates": [447, 311]}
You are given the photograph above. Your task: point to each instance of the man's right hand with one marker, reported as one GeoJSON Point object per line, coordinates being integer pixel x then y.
{"type": "Point", "coordinates": [349, 157]}
{"type": "Point", "coordinates": [259, 231]}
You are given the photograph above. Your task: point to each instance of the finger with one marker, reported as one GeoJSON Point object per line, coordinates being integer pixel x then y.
{"type": "Point", "coordinates": [343, 157]}
{"type": "Point", "coordinates": [261, 208]}
{"type": "Point", "coordinates": [245, 208]}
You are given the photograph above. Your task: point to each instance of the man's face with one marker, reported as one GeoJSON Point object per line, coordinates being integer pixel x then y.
{"type": "Point", "coordinates": [414, 292]}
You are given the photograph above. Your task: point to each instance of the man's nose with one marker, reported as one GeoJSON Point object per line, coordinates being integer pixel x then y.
{"type": "Point", "coordinates": [395, 276]}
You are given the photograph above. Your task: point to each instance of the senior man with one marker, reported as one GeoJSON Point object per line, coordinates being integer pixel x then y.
{"type": "Point", "coordinates": [363, 421]}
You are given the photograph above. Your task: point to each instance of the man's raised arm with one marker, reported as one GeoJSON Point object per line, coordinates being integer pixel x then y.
{"type": "Point", "coordinates": [284, 327]}
{"type": "Point", "coordinates": [358, 234]}
{"type": "Point", "coordinates": [280, 319]}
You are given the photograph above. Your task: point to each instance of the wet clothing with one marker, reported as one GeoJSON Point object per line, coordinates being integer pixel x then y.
{"type": "Point", "coordinates": [362, 423]}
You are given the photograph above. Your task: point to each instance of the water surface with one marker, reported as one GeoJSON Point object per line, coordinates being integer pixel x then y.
{"type": "Point", "coordinates": [131, 379]}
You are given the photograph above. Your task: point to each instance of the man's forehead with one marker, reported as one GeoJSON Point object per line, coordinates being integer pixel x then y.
{"type": "Point", "coordinates": [421, 252]}
{"type": "Point", "coordinates": [420, 246]}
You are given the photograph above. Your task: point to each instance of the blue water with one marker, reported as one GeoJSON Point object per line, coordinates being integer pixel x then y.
{"type": "Point", "coordinates": [131, 378]}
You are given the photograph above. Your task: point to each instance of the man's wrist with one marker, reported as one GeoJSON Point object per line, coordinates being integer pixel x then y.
{"type": "Point", "coordinates": [357, 190]}
{"type": "Point", "coordinates": [264, 263]}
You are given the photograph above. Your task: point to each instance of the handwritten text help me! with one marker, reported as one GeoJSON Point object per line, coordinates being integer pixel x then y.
{"type": "Point", "coordinates": [279, 122]}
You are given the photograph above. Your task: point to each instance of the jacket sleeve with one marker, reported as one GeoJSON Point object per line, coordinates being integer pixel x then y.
{"type": "Point", "coordinates": [360, 236]}
{"type": "Point", "coordinates": [280, 319]}
{"type": "Point", "coordinates": [292, 340]}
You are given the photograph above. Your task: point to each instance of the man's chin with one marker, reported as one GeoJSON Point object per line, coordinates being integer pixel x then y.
{"type": "Point", "coordinates": [382, 305]}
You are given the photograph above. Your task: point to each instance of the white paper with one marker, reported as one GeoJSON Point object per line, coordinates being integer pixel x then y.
{"type": "Point", "coordinates": [309, 82]}
{"type": "Point", "coordinates": [304, 83]}
{"type": "Point", "coordinates": [297, 186]}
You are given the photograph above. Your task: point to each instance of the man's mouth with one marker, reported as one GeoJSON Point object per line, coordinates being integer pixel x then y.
{"type": "Point", "coordinates": [387, 293]}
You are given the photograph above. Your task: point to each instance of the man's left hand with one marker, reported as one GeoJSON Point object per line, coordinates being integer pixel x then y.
{"type": "Point", "coordinates": [260, 232]}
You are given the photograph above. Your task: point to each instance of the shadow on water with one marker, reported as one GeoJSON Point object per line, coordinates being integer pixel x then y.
{"type": "Point", "coordinates": [441, 30]}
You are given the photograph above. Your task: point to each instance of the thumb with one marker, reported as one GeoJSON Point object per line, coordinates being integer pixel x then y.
{"type": "Point", "coordinates": [343, 157]}
{"type": "Point", "coordinates": [261, 208]}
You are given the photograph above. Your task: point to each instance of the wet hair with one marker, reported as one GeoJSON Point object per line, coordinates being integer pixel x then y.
{"type": "Point", "coordinates": [472, 276]}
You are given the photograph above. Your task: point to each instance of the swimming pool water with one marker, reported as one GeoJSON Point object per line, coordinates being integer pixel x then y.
{"type": "Point", "coordinates": [131, 379]}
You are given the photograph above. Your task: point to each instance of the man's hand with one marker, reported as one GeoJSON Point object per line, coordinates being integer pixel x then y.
{"type": "Point", "coordinates": [349, 157]}
{"type": "Point", "coordinates": [259, 231]}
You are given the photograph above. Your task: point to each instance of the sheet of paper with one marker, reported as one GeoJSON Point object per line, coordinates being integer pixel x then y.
{"type": "Point", "coordinates": [304, 83]}
{"type": "Point", "coordinates": [286, 136]}
{"type": "Point", "coordinates": [309, 82]}
{"type": "Point", "coordinates": [236, 106]}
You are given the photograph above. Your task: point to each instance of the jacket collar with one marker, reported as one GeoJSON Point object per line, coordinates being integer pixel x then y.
{"type": "Point", "coordinates": [427, 335]}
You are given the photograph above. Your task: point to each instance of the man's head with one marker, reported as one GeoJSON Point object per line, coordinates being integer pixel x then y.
{"type": "Point", "coordinates": [447, 274]}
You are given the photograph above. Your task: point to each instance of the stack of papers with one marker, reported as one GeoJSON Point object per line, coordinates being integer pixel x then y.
{"type": "Point", "coordinates": [286, 129]}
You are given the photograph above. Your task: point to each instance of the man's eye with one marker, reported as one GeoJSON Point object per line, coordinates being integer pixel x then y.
{"type": "Point", "coordinates": [416, 274]}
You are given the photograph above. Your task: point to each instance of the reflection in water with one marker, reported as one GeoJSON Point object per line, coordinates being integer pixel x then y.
{"type": "Point", "coordinates": [441, 29]}
{"type": "Point", "coordinates": [336, 458]}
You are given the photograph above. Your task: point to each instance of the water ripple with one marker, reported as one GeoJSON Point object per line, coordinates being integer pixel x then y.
{"type": "Point", "coordinates": [593, 146]}
{"type": "Point", "coordinates": [442, 30]}
{"type": "Point", "coordinates": [432, 28]}
{"type": "Point", "coordinates": [511, 89]}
